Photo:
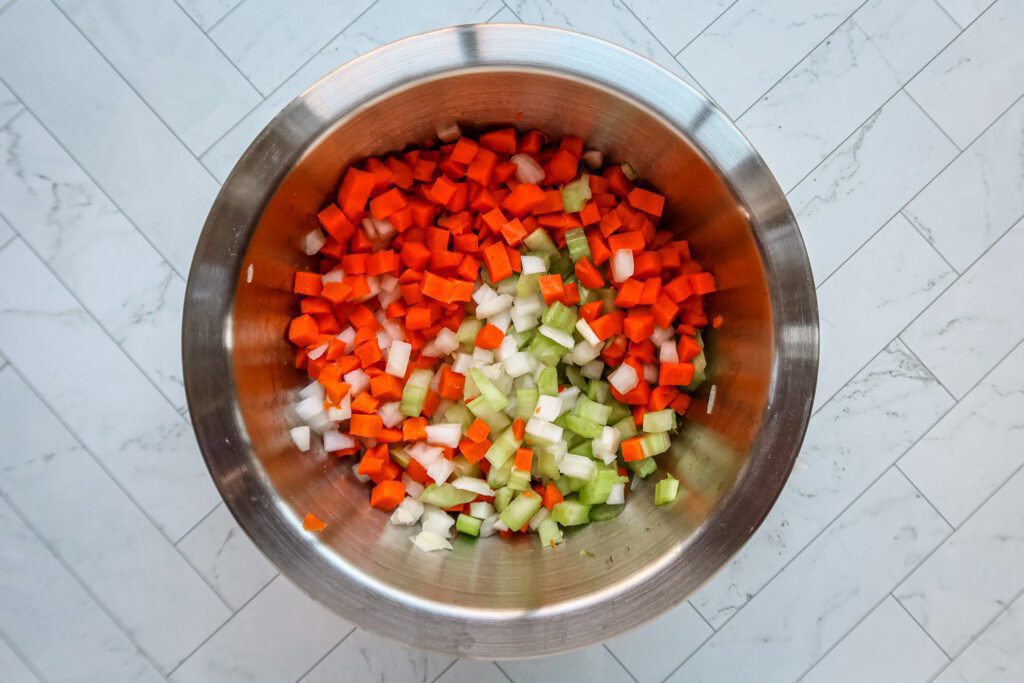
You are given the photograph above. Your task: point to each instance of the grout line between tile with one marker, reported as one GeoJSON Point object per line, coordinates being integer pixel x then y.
{"type": "Point", "coordinates": [925, 111]}
{"type": "Point", "coordinates": [619, 662]}
{"type": "Point", "coordinates": [70, 570]}
{"type": "Point", "coordinates": [509, 8]}
{"type": "Point", "coordinates": [93, 316]}
{"type": "Point", "coordinates": [917, 229]}
{"type": "Point", "coordinates": [701, 32]}
{"type": "Point", "coordinates": [92, 179]}
{"type": "Point", "coordinates": [800, 61]}
{"type": "Point", "coordinates": [99, 463]}
{"type": "Point", "coordinates": [504, 673]}
{"type": "Point", "coordinates": [980, 633]}
{"type": "Point", "coordinates": [197, 524]}
{"type": "Point", "coordinates": [297, 70]}
{"type": "Point", "coordinates": [875, 606]}
{"type": "Point", "coordinates": [131, 87]}
{"type": "Point", "coordinates": [218, 629]}
{"type": "Point", "coordinates": [226, 15]}
{"type": "Point", "coordinates": [455, 661]}
{"type": "Point", "coordinates": [325, 655]}
{"type": "Point", "coordinates": [702, 618]}
{"type": "Point", "coordinates": [4, 638]}
{"type": "Point", "coordinates": [914, 619]}
{"type": "Point", "coordinates": [217, 47]}
{"type": "Point", "coordinates": [927, 369]}
{"type": "Point", "coordinates": [946, 12]}
{"type": "Point", "coordinates": [489, 19]}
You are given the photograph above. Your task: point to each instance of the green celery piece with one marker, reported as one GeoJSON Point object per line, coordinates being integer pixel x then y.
{"type": "Point", "coordinates": [597, 489]}
{"type": "Point", "coordinates": [560, 316]}
{"type": "Point", "coordinates": [502, 449]}
{"type": "Point", "coordinates": [400, 457]}
{"type": "Point", "coordinates": [458, 412]}
{"type": "Point", "coordinates": [570, 512]}
{"type": "Point", "coordinates": [700, 365]}
{"type": "Point", "coordinates": [468, 330]}
{"type": "Point", "coordinates": [585, 447]}
{"type": "Point", "coordinates": [604, 512]}
{"type": "Point", "coordinates": [575, 377]}
{"type": "Point", "coordinates": [626, 427]}
{"type": "Point", "coordinates": [576, 242]}
{"type": "Point", "coordinates": [547, 382]}
{"type": "Point", "coordinates": [519, 480]}
{"type": "Point", "coordinates": [576, 194]}
{"type": "Point", "coordinates": [656, 443]}
{"type": "Point", "coordinates": [550, 534]}
{"type": "Point", "coordinates": [520, 510]}
{"type": "Point", "coordinates": [465, 524]}
{"type": "Point", "coordinates": [495, 419]}
{"type": "Point", "coordinates": [600, 391]}
{"type": "Point", "coordinates": [415, 392]}
{"type": "Point", "coordinates": [592, 410]}
{"type": "Point", "coordinates": [445, 496]}
{"type": "Point", "coordinates": [527, 284]}
{"type": "Point", "coordinates": [494, 396]}
{"type": "Point", "coordinates": [660, 421]}
{"type": "Point", "coordinates": [583, 426]}
{"type": "Point", "coordinates": [619, 410]}
{"type": "Point", "coordinates": [539, 241]}
{"type": "Point", "coordinates": [546, 351]}
{"type": "Point", "coordinates": [567, 485]}
{"type": "Point", "coordinates": [547, 466]}
{"type": "Point", "coordinates": [665, 491]}
{"type": "Point", "coordinates": [498, 476]}
{"type": "Point", "coordinates": [643, 468]}
{"type": "Point", "coordinates": [526, 401]}
{"type": "Point", "coordinates": [502, 497]}
{"type": "Point", "coordinates": [463, 467]}
{"type": "Point", "coordinates": [628, 170]}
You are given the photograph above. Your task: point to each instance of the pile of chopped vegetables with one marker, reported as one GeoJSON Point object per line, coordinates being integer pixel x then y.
{"type": "Point", "coordinates": [498, 336]}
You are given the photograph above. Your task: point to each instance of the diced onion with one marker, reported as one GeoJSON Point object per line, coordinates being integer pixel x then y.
{"type": "Point", "coordinates": [412, 487]}
{"type": "Point", "coordinates": [336, 441]}
{"type": "Point", "coordinates": [499, 304]}
{"type": "Point", "coordinates": [308, 407]}
{"type": "Point", "coordinates": [543, 430]}
{"type": "Point", "coordinates": [391, 414]}
{"type": "Point", "coordinates": [617, 495]}
{"type": "Point", "coordinates": [336, 275]}
{"type": "Point", "coordinates": [347, 335]}
{"type": "Point", "coordinates": [446, 341]}
{"type": "Point", "coordinates": [361, 477]}
{"type": "Point", "coordinates": [441, 470]}
{"type": "Point", "coordinates": [358, 380]}
{"type": "Point", "coordinates": [533, 264]}
{"type": "Point", "coordinates": [711, 398]}
{"type": "Point", "coordinates": [481, 509]}
{"type": "Point", "coordinates": [483, 294]}
{"type": "Point", "coordinates": [444, 434]}
{"type": "Point", "coordinates": [398, 358]}
{"type": "Point", "coordinates": [558, 336]}
{"type": "Point", "coordinates": [436, 520]}
{"type": "Point", "coordinates": [587, 333]}
{"type": "Point", "coordinates": [300, 437]}
{"type": "Point", "coordinates": [407, 513]}
{"type": "Point", "coordinates": [650, 373]}
{"type": "Point", "coordinates": [548, 408]}
{"type": "Point", "coordinates": [622, 265]}
{"type": "Point", "coordinates": [313, 241]}
{"type": "Point", "coordinates": [518, 364]}
{"type": "Point", "coordinates": [624, 378]}
{"type": "Point", "coordinates": [448, 132]}
{"type": "Point", "coordinates": [487, 528]}
{"type": "Point", "coordinates": [473, 484]}
{"type": "Point", "coordinates": [579, 466]}
{"type": "Point", "coordinates": [593, 370]}
{"type": "Point", "coordinates": [429, 541]}
{"type": "Point", "coordinates": [527, 170]}
{"type": "Point", "coordinates": [660, 336]}
{"type": "Point", "coordinates": [593, 158]}
{"type": "Point", "coordinates": [312, 389]}
{"type": "Point", "coordinates": [668, 353]}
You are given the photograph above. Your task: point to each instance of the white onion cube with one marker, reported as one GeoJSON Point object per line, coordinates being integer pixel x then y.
{"type": "Point", "coordinates": [300, 437]}
{"type": "Point", "coordinates": [622, 265]}
{"type": "Point", "coordinates": [548, 408]}
{"type": "Point", "coordinates": [624, 378]}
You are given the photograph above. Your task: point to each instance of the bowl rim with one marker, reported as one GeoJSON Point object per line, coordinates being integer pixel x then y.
{"type": "Point", "coordinates": [217, 264]}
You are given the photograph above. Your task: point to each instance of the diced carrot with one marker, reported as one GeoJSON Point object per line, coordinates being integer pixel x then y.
{"type": "Point", "coordinates": [662, 397]}
{"type": "Point", "coordinates": [638, 327]}
{"type": "Point", "coordinates": [482, 168]}
{"type": "Point", "coordinates": [518, 429]}
{"type": "Point", "coordinates": [418, 317]}
{"type": "Point", "coordinates": [647, 201]}
{"type": "Point", "coordinates": [335, 222]}
{"type": "Point", "coordinates": [478, 431]}
{"type": "Point", "coordinates": [365, 403]}
{"type": "Point", "coordinates": [435, 286]}
{"type": "Point", "coordinates": [365, 425]}
{"type": "Point", "coordinates": [632, 449]}
{"type": "Point", "coordinates": [497, 262]}
{"type": "Point", "coordinates": [464, 150]}
{"type": "Point", "coordinates": [474, 451]}
{"type": "Point", "coordinates": [679, 374]}
{"type": "Point", "coordinates": [664, 310]}
{"type": "Point", "coordinates": [313, 523]}
{"type": "Point", "coordinates": [386, 388]}
{"type": "Point", "coordinates": [632, 240]}
{"type": "Point", "coordinates": [551, 288]}
{"type": "Point", "coordinates": [452, 384]}
{"type": "Point", "coordinates": [489, 337]}
{"type": "Point", "coordinates": [303, 330]}
{"type": "Point", "coordinates": [588, 275]}
{"type": "Point", "coordinates": [387, 495]}
{"type": "Point", "coordinates": [651, 291]}
{"type": "Point", "coordinates": [552, 496]}
{"type": "Point", "coordinates": [562, 167]}
{"type": "Point", "coordinates": [513, 232]}
{"type": "Point", "coordinates": [524, 459]}
{"type": "Point", "coordinates": [442, 190]}
{"type": "Point", "coordinates": [598, 247]}
{"type": "Point", "coordinates": [502, 141]}
{"type": "Point", "coordinates": [388, 203]}
{"type": "Point", "coordinates": [702, 283]}
{"type": "Point", "coordinates": [523, 199]}
{"type": "Point", "coordinates": [681, 403]}
{"type": "Point", "coordinates": [309, 284]}
{"type": "Point", "coordinates": [629, 293]}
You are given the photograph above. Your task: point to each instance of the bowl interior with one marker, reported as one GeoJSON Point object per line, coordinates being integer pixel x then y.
{"type": "Point", "coordinates": [509, 578]}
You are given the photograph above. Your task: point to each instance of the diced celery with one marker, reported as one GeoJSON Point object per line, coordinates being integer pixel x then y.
{"type": "Point", "coordinates": [468, 330]}
{"type": "Point", "coordinates": [458, 413]}
{"type": "Point", "coordinates": [495, 397]}
{"type": "Point", "coordinates": [600, 391]}
{"type": "Point", "coordinates": [591, 410]}
{"type": "Point", "coordinates": [519, 480]}
{"type": "Point", "coordinates": [656, 443]}
{"type": "Point", "coordinates": [465, 524]}
{"type": "Point", "coordinates": [546, 350]}
{"type": "Point", "coordinates": [575, 377]}
{"type": "Point", "coordinates": [660, 421]}
{"type": "Point", "coordinates": [626, 427]}
{"type": "Point", "coordinates": [576, 194]}
{"type": "Point", "coordinates": [502, 497]}
{"type": "Point", "coordinates": [560, 316]}
{"type": "Point", "coordinates": [570, 512]}
{"type": "Point", "coordinates": [526, 401]}
{"type": "Point", "coordinates": [495, 419]}
{"type": "Point", "coordinates": [550, 534]}
{"type": "Point", "coordinates": [498, 476]}
{"type": "Point", "coordinates": [619, 410]}
{"type": "Point", "coordinates": [665, 490]}
{"type": "Point", "coordinates": [576, 241]}
{"type": "Point", "coordinates": [642, 468]}
{"type": "Point", "coordinates": [567, 485]}
{"type": "Point", "coordinates": [700, 365]}
{"type": "Point", "coordinates": [400, 457]}
{"type": "Point", "coordinates": [415, 392]}
{"type": "Point", "coordinates": [539, 241]}
{"type": "Point", "coordinates": [520, 510]}
{"type": "Point", "coordinates": [463, 467]}
{"type": "Point", "coordinates": [628, 170]}
{"type": "Point", "coordinates": [527, 285]}
{"type": "Point", "coordinates": [608, 295]}
{"type": "Point", "coordinates": [597, 489]}
{"type": "Point", "coordinates": [502, 448]}
{"type": "Point", "coordinates": [584, 447]}
{"type": "Point", "coordinates": [445, 496]}
{"type": "Point", "coordinates": [547, 464]}
{"type": "Point", "coordinates": [560, 420]}
{"type": "Point", "coordinates": [547, 382]}
{"type": "Point", "coordinates": [604, 512]}
{"type": "Point", "coordinates": [583, 426]}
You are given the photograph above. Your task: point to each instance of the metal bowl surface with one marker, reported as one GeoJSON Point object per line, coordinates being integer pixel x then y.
{"type": "Point", "coordinates": [490, 598]}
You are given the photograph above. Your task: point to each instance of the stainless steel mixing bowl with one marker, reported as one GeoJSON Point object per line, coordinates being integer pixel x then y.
{"type": "Point", "coordinates": [490, 598]}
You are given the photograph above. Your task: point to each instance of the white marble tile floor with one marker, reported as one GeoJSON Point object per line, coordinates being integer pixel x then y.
{"type": "Point", "coordinates": [894, 553]}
